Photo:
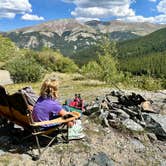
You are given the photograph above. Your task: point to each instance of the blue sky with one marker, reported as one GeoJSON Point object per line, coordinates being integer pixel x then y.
{"type": "Point", "coordinates": [21, 13]}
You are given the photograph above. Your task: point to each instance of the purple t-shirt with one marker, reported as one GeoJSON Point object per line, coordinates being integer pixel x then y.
{"type": "Point", "coordinates": [45, 108]}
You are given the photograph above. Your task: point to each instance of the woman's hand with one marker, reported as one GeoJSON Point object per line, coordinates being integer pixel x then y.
{"type": "Point", "coordinates": [70, 124]}
{"type": "Point", "coordinates": [63, 113]}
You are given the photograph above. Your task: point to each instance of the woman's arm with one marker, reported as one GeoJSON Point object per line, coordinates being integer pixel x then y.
{"type": "Point", "coordinates": [62, 112]}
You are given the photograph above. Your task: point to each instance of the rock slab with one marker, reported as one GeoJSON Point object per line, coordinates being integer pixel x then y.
{"type": "Point", "coordinates": [156, 123]}
{"type": "Point", "coordinates": [5, 77]}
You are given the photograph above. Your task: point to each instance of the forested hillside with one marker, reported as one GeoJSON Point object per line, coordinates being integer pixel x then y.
{"type": "Point", "coordinates": [145, 55]}
{"type": "Point", "coordinates": [154, 42]}
{"type": "Point", "coordinates": [151, 64]}
{"type": "Point", "coordinates": [122, 36]}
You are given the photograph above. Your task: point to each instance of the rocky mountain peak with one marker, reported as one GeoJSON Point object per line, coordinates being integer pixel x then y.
{"type": "Point", "coordinates": [58, 26]}
{"type": "Point", "coordinates": [70, 35]}
{"type": "Point", "coordinates": [62, 25]}
{"type": "Point", "coordinates": [138, 28]}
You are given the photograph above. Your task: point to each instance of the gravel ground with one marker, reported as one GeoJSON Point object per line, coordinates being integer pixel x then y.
{"type": "Point", "coordinates": [120, 148]}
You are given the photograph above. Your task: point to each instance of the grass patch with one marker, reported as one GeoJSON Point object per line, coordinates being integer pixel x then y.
{"type": "Point", "coordinates": [92, 83]}
{"type": "Point", "coordinates": [12, 88]}
{"type": "Point", "coordinates": [78, 77]}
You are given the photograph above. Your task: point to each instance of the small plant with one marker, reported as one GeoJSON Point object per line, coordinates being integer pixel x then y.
{"type": "Point", "coordinates": [148, 83]}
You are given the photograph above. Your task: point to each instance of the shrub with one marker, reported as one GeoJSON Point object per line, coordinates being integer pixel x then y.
{"type": "Point", "coordinates": [54, 61]}
{"type": "Point", "coordinates": [46, 58]}
{"type": "Point", "coordinates": [148, 83]}
{"type": "Point", "coordinates": [7, 49]}
{"type": "Point", "coordinates": [105, 68]}
{"type": "Point", "coordinates": [24, 69]}
{"type": "Point", "coordinates": [64, 64]}
{"type": "Point", "coordinates": [92, 70]}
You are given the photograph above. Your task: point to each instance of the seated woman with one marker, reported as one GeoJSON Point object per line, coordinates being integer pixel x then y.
{"type": "Point", "coordinates": [47, 105]}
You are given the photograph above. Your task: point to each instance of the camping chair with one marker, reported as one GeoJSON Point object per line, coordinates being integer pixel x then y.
{"type": "Point", "coordinates": [3, 106]}
{"type": "Point", "coordinates": [16, 109]}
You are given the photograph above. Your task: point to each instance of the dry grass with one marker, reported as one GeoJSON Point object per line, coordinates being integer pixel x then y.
{"type": "Point", "coordinates": [69, 85]}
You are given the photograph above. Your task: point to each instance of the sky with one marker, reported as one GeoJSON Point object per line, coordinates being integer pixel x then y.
{"type": "Point", "coordinates": [16, 14]}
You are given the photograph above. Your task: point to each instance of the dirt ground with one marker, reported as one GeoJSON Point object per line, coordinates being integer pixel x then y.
{"type": "Point", "coordinates": [102, 146]}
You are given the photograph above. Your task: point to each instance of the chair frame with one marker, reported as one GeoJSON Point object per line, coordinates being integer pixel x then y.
{"type": "Point", "coordinates": [34, 127]}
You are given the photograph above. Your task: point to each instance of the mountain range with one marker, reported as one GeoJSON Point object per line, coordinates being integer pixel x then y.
{"type": "Point", "coordinates": [69, 35]}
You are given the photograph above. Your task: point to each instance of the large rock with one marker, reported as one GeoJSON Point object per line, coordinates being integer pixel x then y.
{"type": "Point", "coordinates": [2, 152]}
{"type": "Point", "coordinates": [5, 77]}
{"type": "Point", "coordinates": [138, 146]}
{"type": "Point", "coordinates": [156, 123]}
{"type": "Point", "coordinates": [133, 126]}
{"type": "Point", "coordinates": [100, 159]}
{"type": "Point", "coordinates": [122, 114]}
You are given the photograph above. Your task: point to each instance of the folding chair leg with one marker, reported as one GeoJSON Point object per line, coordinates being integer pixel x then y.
{"type": "Point", "coordinates": [67, 134]}
{"type": "Point", "coordinates": [41, 152]}
{"type": "Point", "coordinates": [38, 144]}
{"type": "Point", "coordinates": [39, 148]}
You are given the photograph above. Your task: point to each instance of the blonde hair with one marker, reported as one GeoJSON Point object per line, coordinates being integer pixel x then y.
{"type": "Point", "coordinates": [49, 88]}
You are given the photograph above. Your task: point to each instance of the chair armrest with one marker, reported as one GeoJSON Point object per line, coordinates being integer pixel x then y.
{"type": "Point", "coordinates": [60, 120]}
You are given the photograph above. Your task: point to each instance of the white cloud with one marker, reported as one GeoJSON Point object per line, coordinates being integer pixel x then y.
{"type": "Point", "coordinates": [10, 8]}
{"type": "Point", "coordinates": [100, 12]}
{"type": "Point", "coordinates": [87, 9]}
{"type": "Point", "coordinates": [7, 15]}
{"type": "Point", "coordinates": [120, 9]}
{"type": "Point", "coordinates": [31, 17]}
{"type": "Point", "coordinates": [160, 19]}
{"type": "Point", "coordinates": [161, 7]}
{"type": "Point", "coordinates": [138, 19]}
{"type": "Point", "coordinates": [101, 3]}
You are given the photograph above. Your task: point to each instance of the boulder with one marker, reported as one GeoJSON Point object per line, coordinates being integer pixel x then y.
{"type": "Point", "coordinates": [100, 159]}
{"type": "Point", "coordinates": [152, 137]}
{"type": "Point", "coordinates": [131, 125]}
{"type": "Point", "coordinates": [147, 107]}
{"type": "Point", "coordinates": [156, 123]}
{"type": "Point", "coordinates": [122, 114]}
{"type": "Point", "coordinates": [5, 77]}
{"type": "Point", "coordinates": [91, 109]}
{"type": "Point", "coordinates": [2, 152]}
{"type": "Point", "coordinates": [138, 146]}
